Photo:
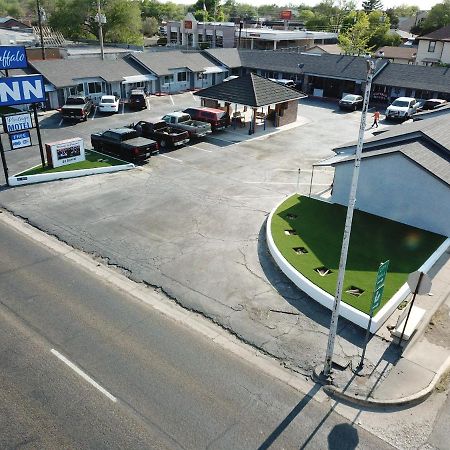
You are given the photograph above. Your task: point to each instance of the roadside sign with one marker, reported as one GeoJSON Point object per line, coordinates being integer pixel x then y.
{"type": "Point", "coordinates": [379, 285]}
{"type": "Point", "coordinates": [425, 283]}
{"type": "Point", "coordinates": [13, 57]}
{"type": "Point", "coordinates": [17, 122]}
{"type": "Point", "coordinates": [20, 90]}
{"type": "Point", "coordinates": [20, 140]}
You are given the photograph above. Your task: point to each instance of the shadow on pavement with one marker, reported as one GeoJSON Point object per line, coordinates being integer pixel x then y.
{"type": "Point", "coordinates": [343, 437]}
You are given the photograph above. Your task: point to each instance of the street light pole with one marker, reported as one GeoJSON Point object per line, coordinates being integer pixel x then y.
{"type": "Point", "coordinates": [39, 11]}
{"type": "Point", "coordinates": [348, 225]}
{"type": "Point", "coordinates": [100, 29]}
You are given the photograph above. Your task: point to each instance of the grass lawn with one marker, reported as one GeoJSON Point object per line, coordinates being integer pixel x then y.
{"type": "Point", "coordinates": [319, 229]}
{"type": "Point", "coordinates": [93, 159]}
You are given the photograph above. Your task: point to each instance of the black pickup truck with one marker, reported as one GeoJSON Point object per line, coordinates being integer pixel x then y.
{"type": "Point", "coordinates": [76, 108]}
{"type": "Point", "coordinates": [166, 136]}
{"type": "Point", "coordinates": [124, 143]}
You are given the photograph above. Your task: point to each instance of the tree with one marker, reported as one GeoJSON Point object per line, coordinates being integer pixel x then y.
{"type": "Point", "coordinates": [438, 17]}
{"type": "Point", "coordinates": [150, 26]}
{"type": "Point", "coordinates": [371, 5]}
{"type": "Point", "coordinates": [354, 40]}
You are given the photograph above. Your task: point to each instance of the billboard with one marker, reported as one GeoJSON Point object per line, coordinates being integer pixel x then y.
{"type": "Point", "coordinates": [17, 122]}
{"type": "Point", "coordinates": [65, 152]}
{"type": "Point", "coordinates": [20, 90]}
{"type": "Point", "coordinates": [20, 140]}
{"type": "Point", "coordinates": [286, 14]}
{"type": "Point", "coordinates": [13, 57]}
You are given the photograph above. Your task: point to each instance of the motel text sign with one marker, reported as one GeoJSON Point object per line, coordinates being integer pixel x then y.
{"type": "Point", "coordinates": [20, 90]}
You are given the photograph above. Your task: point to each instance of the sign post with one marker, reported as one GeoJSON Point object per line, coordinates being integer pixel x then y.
{"type": "Point", "coordinates": [376, 301]}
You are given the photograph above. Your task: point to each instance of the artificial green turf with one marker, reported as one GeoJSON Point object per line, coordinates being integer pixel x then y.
{"type": "Point", "coordinates": [93, 159]}
{"type": "Point", "coordinates": [320, 227]}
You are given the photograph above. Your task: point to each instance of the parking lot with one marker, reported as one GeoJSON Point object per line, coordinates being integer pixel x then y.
{"type": "Point", "coordinates": [191, 221]}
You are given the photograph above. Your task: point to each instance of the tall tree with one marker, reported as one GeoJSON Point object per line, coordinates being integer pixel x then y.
{"type": "Point", "coordinates": [371, 5]}
{"type": "Point", "coordinates": [438, 17]}
{"type": "Point", "coordinates": [354, 40]}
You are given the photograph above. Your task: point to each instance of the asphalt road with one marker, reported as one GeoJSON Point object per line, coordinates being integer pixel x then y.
{"type": "Point", "coordinates": [84, 366]}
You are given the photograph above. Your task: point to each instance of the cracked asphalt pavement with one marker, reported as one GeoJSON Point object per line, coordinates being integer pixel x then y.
{"type": "Point", "coordinates": [192, 223]}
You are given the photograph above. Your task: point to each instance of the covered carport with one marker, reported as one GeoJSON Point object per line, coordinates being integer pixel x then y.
{"type": "Point", "coordinates": [269, 101]}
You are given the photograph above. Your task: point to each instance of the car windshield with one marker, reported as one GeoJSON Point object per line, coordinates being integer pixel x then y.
{"type": "Point", "coordinates": [350, 98]}
{"type": "Point", "coordinates": [400, 103]}
{"type": "Point", "coordinates": [107, 100]}
{"type": "Point", "coordinates": [75, 101]}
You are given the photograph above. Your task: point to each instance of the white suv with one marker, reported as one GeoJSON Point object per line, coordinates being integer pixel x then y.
{"type": "Point", "coordinates": [402, 108]}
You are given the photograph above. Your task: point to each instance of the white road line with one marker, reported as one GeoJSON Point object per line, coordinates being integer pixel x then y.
{"type": "Point", "coordinates": [60, 122]}
{"type": "Point", "coordinates": [83, 375]}
{"type": "Point", "coordinates": [199, 148]}
{"type": "Point", "coordinates": [170, 157]}
{"type": "Point", "coordinates": [171, 99]}
{"type": "Point", "coordinates": [194, 97]}
{"type": "Point", "coordinates": [93, 115]}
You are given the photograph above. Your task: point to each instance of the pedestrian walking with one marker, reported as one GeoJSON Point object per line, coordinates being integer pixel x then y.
{"type": "Point", "coordinates": [376, 118]}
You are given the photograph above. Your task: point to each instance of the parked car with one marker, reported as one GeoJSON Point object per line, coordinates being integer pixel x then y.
{"type": "Point", "coordinates": [402, 108]}
{"type": "Point", "coordinates": [76, 108]}
{"type": "Point", "coordinates": [183, 121]}
{"type": "Point", "coordinates": [217, 118]}
{"type": "Point", "coordinates": [109, 103]}
{"type": "Point", "coordinates": [433, 103]}
{"type": "Point", "coordinates": [351, 102]}
{"type": "Point", "coordinates": [165, 135]}
{"type": "Point", "coordinates": [138, 99]}
{"type": "Point", "coordinates": [124, 143]}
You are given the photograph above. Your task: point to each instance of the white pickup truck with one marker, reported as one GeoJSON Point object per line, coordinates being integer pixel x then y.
{"type": "Point", "coordinates": [183, 121]}
{"type": "Point", "coordinates": [402, 108]}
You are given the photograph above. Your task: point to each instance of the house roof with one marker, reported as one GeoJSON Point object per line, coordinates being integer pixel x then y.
{"type": "Point", "coordinates": [434, 160]}
{"type": "Point", "coordinates": [426, 142]}
{"type": "Point", "coordinates": [251, 90]}
{"type": "Point", "coordinates": [325, 65]}
{"type": "Point", "coordinates": [408, 53]}
{"type": "Point", "coordinates": [333, 49]}
{"type": "Point", "coordinates": [443, 34]}
{"type": "Point", "coordinates": [229, 57]}
{"type": "Point", "coordinates": [161, 63]}
{"type": "Point", "coordinates": [415, 77]}
{"type": "Point", "coordinates": [66, 72]}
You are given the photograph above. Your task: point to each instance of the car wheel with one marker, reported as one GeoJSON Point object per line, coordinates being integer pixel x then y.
{"type": "Point", "coordinates": [163, 144]}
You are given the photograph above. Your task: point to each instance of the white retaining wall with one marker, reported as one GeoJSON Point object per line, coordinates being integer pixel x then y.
{"type": "Point", "coordinates": [324, 298]}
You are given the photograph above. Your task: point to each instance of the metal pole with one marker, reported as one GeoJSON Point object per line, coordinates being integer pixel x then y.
{"type": "Point", "coordinates": [310, 183]}
{"type": "Point", "coordinates": [100, 29]}
{"type": "Point", "coordinates": [348, 226]}
{"type": "Point", "coordinates": [298, 179]}
{"type": "Point", "coordinates": [416, 290]}
{"type": "Point", "coordinates": [241, 24]}
{"type": "Point", "coordinates": [5, 166]}
{"type": "Point", "coordinates": [38, 131]}
{"type": "Point", "coordinates": [40, 28]}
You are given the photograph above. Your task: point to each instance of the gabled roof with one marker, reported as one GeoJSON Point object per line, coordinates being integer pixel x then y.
{"type": "Point", "coordinates": [415, 77]}
{"type": "Point", "coordinates": [397, 52]}
{"type": "Point", "coordinates": [228, 57]}
{"type": "Point", "coordinates": [162, 63]}
{"type": "Point", "coordinates": [66, 72]}
{"type": "Point", "coordinates": [334, 66]}
{"type": "Point", "coordinates": [443, 34]}
{"type": "Point", "coordinates": [333, 49]}
{"type": "Point", "coordinates": [425, 142]}
{"type": "Point", "coordinates": [251, 90]}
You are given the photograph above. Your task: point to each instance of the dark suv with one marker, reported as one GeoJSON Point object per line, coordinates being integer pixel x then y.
{"type": "Point", "coordinates": [216, 117]}
{"type": "Point", "coordinates": [138, 100]}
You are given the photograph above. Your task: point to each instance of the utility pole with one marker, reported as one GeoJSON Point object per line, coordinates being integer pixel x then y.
{"type": "Point", "coordinates": [39, 11]}
{"type": "Point", "coordinates": [348, 225]}
{"type": "Point", "coordinates": [100, 20]}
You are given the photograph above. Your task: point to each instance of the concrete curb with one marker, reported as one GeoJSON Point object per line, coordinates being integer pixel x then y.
{"type": "Point", "coordinates": [409, 400]}
{"type": "Point", "coordinates": [159, 302]}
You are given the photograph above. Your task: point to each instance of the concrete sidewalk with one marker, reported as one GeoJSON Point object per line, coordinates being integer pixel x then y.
{"type": "Point", "coordinates": [420, 365]}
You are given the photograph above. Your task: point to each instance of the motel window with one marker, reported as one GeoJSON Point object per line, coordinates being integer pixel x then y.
{"type": "Point", "coordinates": [95, 87]}
{"type": "Point", "coordinates": [182, 76]}
{"type": "Point", "coordinates": [431, 46]}
{"type": "Point", "coordinates": [168, 79]}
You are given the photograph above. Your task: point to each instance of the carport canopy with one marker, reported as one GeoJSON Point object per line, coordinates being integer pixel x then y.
{"type": "Point", "coordinates": [250, 90]}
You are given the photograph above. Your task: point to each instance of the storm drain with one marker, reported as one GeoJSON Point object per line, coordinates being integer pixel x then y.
{"type": "Point", "coordinates": [290, 232]}
{"type": "Point", "coordinates": [300, 250]}
{"type": "Point", "coordinates": [356, 291]}
{"type": "Point", "coordinates": [323, 271]}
